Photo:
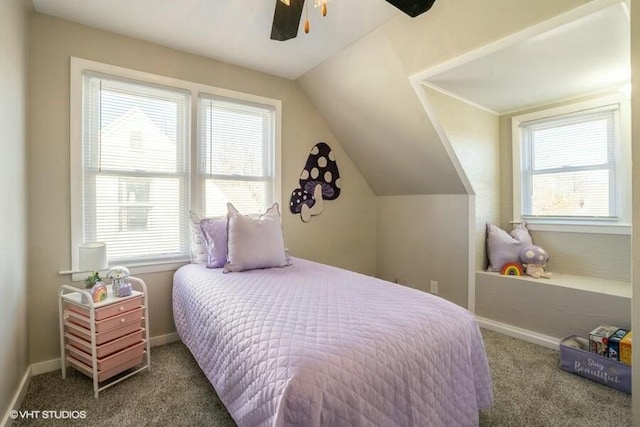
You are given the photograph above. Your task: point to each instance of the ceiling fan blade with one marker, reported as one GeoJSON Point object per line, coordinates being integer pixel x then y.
{"type": "Point", "coordinates": [286, 20]}
{"type": "Point", "coordinates": [413, 8]}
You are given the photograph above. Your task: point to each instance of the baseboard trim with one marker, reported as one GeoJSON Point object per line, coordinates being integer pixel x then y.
{"type": "Point", "coordinates": [18, 397]}
{"type": "Point", "coordinates": [164, 339]}
{"type": "Point", "coordinates": [46, 366]}
{"type": "Point", "coordinates": [515, 332]}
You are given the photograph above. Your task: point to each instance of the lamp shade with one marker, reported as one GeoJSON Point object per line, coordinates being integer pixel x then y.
{"type": "Point", "coordinates": [93, 256]}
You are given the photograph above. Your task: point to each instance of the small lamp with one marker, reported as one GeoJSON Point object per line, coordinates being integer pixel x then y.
{"type": "Point", "coordinates": [93, 256]}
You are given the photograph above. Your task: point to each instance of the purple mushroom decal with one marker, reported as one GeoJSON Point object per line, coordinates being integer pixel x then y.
{"type": "Point", "coordinates": [319, 181]}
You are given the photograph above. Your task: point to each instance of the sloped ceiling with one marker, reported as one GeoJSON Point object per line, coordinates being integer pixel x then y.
{"type": "Point", "coordinates": [365, 94]}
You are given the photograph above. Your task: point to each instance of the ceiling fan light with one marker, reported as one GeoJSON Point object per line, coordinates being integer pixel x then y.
{"type": "Point", "coordinates": [324, 9]}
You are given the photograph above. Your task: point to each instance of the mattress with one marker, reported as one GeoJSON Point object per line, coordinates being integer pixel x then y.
{"type": "Point", "coordinates": [314, 345]}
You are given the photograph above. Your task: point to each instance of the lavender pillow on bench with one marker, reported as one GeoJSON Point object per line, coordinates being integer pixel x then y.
{"type": "Point", "coordinates": [503, 247]}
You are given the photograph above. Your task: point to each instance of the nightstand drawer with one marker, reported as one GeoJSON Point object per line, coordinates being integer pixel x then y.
{"type": "Point", "coordinates": [104, 375]}
{"type": "Point", "coordinates": [108, 323]}
{"type": "Point", "coordinates": [109, 347]}
{"type": "Point", "coordinates": [102, 337]}
{"type": "Point", "coordinates": [111, 361]}
{"type": "Point", "coordinates": [111, 309]}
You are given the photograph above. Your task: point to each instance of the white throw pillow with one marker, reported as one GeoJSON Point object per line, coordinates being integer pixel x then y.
{"type": "Point", "coordinates": [254, 242]}
{"type": "Point", "coordinates": [198, 242]}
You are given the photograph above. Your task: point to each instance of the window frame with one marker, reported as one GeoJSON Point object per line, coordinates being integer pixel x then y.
{"type": "Point", "coordinates": [182, 173]}
{"type": "Point", "coordinates": [78, 67]}
{"type": "Point", "coordinates": [622, 154]}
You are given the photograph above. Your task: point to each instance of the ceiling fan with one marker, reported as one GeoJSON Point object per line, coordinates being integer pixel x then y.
{"type": "Point", "coordinates": [286, 18]}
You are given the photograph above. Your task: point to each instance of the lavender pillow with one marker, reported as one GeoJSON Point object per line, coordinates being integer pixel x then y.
{"type": "Point", "coordinates": [254, 242]}
{"type": "Point", "coordinates": [215, 236]}
{"type": "Point", "coordinates": [503, 247]}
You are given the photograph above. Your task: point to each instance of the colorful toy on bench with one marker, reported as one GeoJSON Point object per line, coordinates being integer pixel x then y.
{"type": "Point", "coordinates": [534, 259]}
{"type": "Point", "coordinates": [512, 269]}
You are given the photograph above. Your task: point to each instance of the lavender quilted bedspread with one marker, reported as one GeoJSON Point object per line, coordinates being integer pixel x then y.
{"type": "Point", "coordinates": [313, 345]}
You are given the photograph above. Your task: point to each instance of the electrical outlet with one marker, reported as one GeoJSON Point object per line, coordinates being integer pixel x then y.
{"type": "Point", "coordinates": [434, 287]}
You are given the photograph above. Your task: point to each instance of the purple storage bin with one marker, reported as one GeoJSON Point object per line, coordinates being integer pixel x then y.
{"type": "Point", "coordinates": [575, 359]}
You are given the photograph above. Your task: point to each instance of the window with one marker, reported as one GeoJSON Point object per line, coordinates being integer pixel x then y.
{"type": "Point", "coordinates": [235, 155]}
{"type": "Point", "coordinates": [135, 168]}
{"type": "Point", "coordinates": [139, 162]}
{"type": "Point", "coordinates": [568, 166]}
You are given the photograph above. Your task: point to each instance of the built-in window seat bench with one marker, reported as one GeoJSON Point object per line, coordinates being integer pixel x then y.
{"type": "Point", "coordinates": [557, 307]}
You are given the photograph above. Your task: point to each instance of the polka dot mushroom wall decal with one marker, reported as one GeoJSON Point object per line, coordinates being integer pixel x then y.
{"type": "Point", "coordinates": [319, 181]}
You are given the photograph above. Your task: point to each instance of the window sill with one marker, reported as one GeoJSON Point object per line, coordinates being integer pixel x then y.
{"type": "Point", "coordinates": [585, 228]}
{"type": "Point", "coordinates": [135, 269]}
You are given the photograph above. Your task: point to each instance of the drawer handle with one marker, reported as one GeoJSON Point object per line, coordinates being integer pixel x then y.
{"type": "Point", "coordinates": [122, 320]}
{"type": "Point", "coordinates": [121, 308]}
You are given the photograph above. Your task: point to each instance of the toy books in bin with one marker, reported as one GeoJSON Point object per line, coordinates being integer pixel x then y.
{"type": "Point", "coordinates": [625, 348]}
{"type": "Point", "coordinates": [576, 358]}
{"type": "Point", "coordinates": [613, 347]}
{"type": "Point", "coordinates": [599, 339]}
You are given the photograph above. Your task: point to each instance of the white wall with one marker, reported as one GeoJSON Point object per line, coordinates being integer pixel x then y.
{"type": "Point", "coordinates": [344, 235]}
{"type": "Point", "coordinates": [13, 231]}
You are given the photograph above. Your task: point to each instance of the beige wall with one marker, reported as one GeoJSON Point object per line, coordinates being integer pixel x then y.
{"type": "Point", "coordinates": [473, 134]}
{"type": "Point", "coordinates": [14, 50]}
{"type": "Point", "coordinates": [344, 235]}
{"type": "Point", "coordinates": [424, 238]}
{"type": "Point", "coordinates": [635, 124]}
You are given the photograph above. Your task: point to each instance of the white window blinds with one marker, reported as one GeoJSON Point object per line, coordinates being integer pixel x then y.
{"type": "Point", "coordinates": [569, 165]}
{"type": "Point", "coordinates": [135, 169]}
{"type": "Point", "coordinates": [235, 155]}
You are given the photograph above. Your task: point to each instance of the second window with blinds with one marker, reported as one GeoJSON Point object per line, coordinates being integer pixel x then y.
{"type": "Point", "coordinates": [140, 161]}
{"type": "Point", "coordinates": [571, 164]}
{"type": "Point", "coordinates": [235, 155]}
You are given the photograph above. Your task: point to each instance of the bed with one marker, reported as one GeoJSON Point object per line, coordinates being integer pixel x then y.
{"type": "Point", "coordinates": [313, 345]}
